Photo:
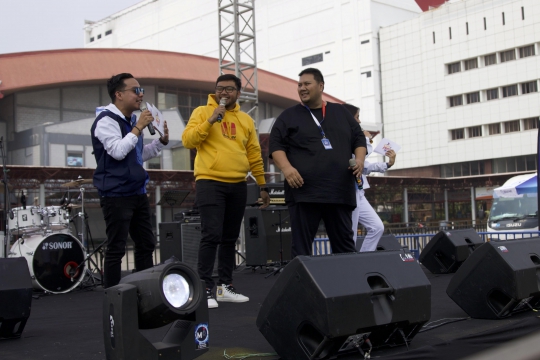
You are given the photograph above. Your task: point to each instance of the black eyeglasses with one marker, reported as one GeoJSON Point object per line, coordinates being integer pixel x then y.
{"type": "Point", "coordinates": [136, 90]}
{"type": "Point", "coordinates": [228, 89]}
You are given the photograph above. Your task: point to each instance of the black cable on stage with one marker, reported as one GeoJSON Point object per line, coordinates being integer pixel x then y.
{"type": "Point", "coordinates": [428, 327]}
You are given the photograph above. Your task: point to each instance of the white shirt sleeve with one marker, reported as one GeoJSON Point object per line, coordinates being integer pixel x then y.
{"type": "Point", "coordinates": [109, 133]}
{"type": "Point", "coordinates": [374, 167]}
{"type": "Point", "coordinates": [152, 150]}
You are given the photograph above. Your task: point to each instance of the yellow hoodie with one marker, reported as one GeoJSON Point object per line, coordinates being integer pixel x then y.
{"type": "Point", "coordinates": [226, 151]}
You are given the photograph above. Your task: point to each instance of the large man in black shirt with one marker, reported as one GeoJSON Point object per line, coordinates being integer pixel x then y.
{"type": "Point", "coordinates": [312, 143]}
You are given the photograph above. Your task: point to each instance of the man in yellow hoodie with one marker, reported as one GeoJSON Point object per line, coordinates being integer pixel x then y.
{"type": "Point", "coordinates": [227, 149]}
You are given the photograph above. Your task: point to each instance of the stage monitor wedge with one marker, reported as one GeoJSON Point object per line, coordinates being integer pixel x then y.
{"type": "Point", "coordinates": [322, 306]}
{"type": "Point", "coordinates": [500, 278]}
{"type": "Point", "coordinates": [15, 297]}
{"type": "Point", "coordinates": [448, 249]}
{"type": "Point", "coordinates": [386, 242]}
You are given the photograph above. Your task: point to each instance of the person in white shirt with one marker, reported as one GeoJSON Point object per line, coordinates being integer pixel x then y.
{"type": "Point", "coordinates": [120, 177]}
{"type": "Point", "coordinates": [364, 213]}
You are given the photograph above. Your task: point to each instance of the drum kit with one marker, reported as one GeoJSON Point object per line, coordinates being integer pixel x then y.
{"type": "Point", "coordinates": [55, 253]}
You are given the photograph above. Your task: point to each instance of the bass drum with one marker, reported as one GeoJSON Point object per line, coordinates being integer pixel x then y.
{"type": "Point", "coordinates": [52, 260]}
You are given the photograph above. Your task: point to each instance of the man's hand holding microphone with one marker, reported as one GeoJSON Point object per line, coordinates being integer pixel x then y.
{"type": "Point", "coordinates": [219, 112]}
{"type": "Point", "coordinates": [144, 120]}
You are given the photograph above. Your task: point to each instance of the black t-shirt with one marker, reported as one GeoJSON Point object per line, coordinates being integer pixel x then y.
{"type": "Point", "coordinates": [327, 178]}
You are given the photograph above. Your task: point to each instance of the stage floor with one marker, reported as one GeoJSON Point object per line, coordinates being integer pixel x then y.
{"type": "Point", "coordinates": [69, 326]}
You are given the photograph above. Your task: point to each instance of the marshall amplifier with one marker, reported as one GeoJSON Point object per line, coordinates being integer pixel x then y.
{"type": "Point", "coordinates": [262, 229]}
{"type": "Point", "coordinates": [275, 190]}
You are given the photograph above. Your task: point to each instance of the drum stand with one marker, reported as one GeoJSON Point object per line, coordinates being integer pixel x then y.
{"type": "Point", "coordinates": [92, 280]}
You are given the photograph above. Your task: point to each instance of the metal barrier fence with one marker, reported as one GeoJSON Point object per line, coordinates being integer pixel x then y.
{"type": "Point", "coordinates": [416, 242]}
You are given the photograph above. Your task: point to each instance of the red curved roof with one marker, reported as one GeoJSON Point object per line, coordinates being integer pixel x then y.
{"type": "Point", "coordinates": [22, 71]}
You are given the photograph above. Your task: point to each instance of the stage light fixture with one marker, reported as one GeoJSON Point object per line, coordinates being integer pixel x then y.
{"type": "Point", "coordinates": [142, 307]}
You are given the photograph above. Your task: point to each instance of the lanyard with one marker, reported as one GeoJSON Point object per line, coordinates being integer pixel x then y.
{"type": "Point", "coordinates": [317, 121]}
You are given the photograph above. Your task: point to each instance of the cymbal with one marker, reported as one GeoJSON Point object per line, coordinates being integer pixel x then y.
{"type": "Point", "coordinates": [77, 182]}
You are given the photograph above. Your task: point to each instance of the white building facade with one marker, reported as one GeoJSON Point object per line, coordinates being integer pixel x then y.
{"type": "Point", "coordinates": [340, 37]}
{"type": "Point", "coordinates": [460, 88]}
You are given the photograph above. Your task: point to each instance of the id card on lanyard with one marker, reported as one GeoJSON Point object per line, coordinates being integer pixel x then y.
{"type": "Point", "coordinates": [324, 140]}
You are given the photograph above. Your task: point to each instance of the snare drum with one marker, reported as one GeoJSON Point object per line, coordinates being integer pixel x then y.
{"type": "Point", "coordinates": [52, 261]}
{"type": "Point", "coordinates": [24, 220]}
{"type": "Point", "coordinates": [58, 218]}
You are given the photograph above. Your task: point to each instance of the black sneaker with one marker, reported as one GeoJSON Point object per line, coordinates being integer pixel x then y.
{"type": "Point", "coordinates": [212, 303]}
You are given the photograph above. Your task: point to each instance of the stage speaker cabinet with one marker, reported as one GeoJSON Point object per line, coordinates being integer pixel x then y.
{"type": "Point", "coordinates": [499, 279]}
{"type": "Point", "coordinates": [15, 297]}
{"type": "Point", "coordinates": [448, 249]}
{"type": "Point", "coordinates": [323, 306]}
{"type": "Point", "coordinates": [262, 235]}
{"type": "Point", "coordinates": [182, 241]}
{"type": "Point", "coordinates": [386, 242]}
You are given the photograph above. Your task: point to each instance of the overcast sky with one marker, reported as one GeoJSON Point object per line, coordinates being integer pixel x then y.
{"type": "Point", "coordinates": [29, 25]}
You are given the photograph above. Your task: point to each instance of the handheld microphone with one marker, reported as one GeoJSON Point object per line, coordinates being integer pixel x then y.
{"type": "Point", "coordinates": [149, 126]}
{"type": "Point", "coordinates": [359, 180]}
{"type": "Point", "coordinates": [222, 102]}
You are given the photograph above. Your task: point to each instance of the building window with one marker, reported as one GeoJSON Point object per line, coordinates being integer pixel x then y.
{"type": "Point", "coordinates": [473, 97]}
{"type": "Point", "coordinates": [99, 36]}
{"type": "Point", "coordinates": [485, 24]}
{"type": "Point", "coordinates": [510, 90]}
{"type": "Point", "coordinates": [490, 59]}
{"type": "Point", "coordinates": [108, 32]}
{"type": "Point", "coordinates": [513, 164]}
{"type": "Point", "coordinates": [75, 159]}
{"type": "Point", "coordinates": [458, 134]}
{"type": "Point", "coordinates": [475, 131]}
{"type": "Point", "coordinates": [367, 73]}
{"type": "Point", "coordinates": [454, 67]}
{"type": "Point", "coordinates": [154, 163]}
{"type": "Point", "coordinates": [522, 13]}
{"type": "Point", "coordinates": [503, 19]}
{"type": "Point", "coordinates": [462, 169]}
{"type": "Point", "coordinates": [434, 37]}
{"type": "Point", "coordinates": [312, 59]}
{"type": "Point", "coordinates": [467, 28]}
{"type": "Point", "coordinates": [450, 32]}
{"type": "Point", "coordinates": [508, 55]}
{"type": "Point", "coordinates": [529, 87]}
{"type": "Point", "coordinates": [492, 94]}
{"type": "Point", "coordinates": [456, 100]}
{"type": "Point", "coordinates": [511, 126]}
{"type": "Point", "coordinates": [92, 39]}
{"type": "Point", "coordinates": [494, 129]}
{"type": "Point", "coordinates": [364, 42]}
{"type": "Point", "coordinates": [530, 123]}
{"type": "Point", "coordinates": [471, 64]}
{"type": "Point", "coordinates": [185, 100]}
{"type": "Point", "coordinates": [526, 51]}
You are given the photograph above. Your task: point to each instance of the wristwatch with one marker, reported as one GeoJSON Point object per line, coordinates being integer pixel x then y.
{"type": "Point", "coordinates": [264, 189]}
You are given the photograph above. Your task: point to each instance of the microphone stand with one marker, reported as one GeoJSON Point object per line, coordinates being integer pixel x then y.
{"type": "Point", "coordinates": [5, 181]}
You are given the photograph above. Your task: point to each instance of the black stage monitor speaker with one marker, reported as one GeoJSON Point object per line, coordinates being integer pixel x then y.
{"type": "Point", "coordinates": [387, 242]}
{"type": "Point", "coordinates": [182, 241]}
{"type": "Point", "coordinates": [448, 249]}
{"type": "Point", "coordinates": [262, 235]}
{"type": "Point", "coordinates": [322, 306]}
{"type": "Point", "coordinates": [15, 297]}
{"type": "Point", "coordinates": [498, 279]}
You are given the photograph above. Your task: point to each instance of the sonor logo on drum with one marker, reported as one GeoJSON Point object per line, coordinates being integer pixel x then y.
{"type": "Point", "coordinates": [57, 245]}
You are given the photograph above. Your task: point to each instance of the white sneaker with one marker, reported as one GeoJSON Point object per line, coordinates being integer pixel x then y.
{"type": "Point", "coordinates": [212, 303]}
{"type": "Point", "coordinates": [227, 293]}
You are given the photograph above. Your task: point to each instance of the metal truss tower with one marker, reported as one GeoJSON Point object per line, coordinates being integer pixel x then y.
{"type": "Point", "coordinates": [237, 51]}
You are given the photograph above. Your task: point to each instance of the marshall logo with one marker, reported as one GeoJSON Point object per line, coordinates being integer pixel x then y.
{"type": "Point", "coordinates": [283, 229]}
{"type": "Point", "coordinates": [277, 192]}
{"type": "Point", "coordinates": [407, 257]}
{"type": "Point", "coordinates": [503, 249]}
{"type": "Point", "coordinates": [57, 245]}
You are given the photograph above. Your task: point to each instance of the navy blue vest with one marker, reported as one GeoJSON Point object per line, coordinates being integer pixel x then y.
{"type": "Point", "coordinates": [117, 178]}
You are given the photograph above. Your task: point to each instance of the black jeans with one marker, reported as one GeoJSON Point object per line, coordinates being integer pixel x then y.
{"type": "Point", "coordinates": [123, 215]}
{"type": "Point", "coordinates": [305, 218]}
{"type": "Point", "coordinates": [221, 206]}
